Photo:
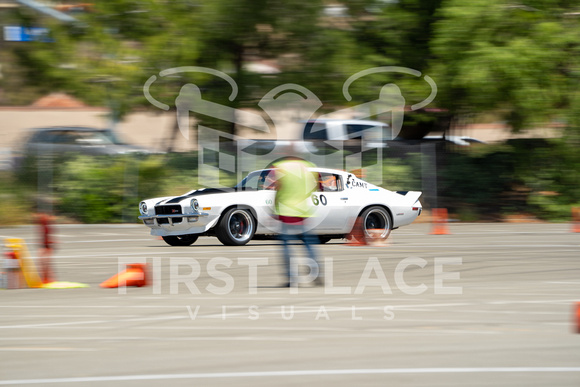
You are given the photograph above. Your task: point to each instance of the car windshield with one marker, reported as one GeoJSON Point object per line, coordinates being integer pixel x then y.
{"type": "Point", "coordinates": [258, 181]}
{"type": "Point", "coordinates": [113, 137]}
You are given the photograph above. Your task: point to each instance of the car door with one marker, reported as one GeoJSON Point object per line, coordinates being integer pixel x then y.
{"type": "Point", "coordinates": [330, 203]}
{"type": "Point", "coordinates": [259, 191]}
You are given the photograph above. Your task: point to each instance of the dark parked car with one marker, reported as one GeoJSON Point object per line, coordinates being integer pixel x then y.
{"type": "Point", "coordinates": [63, 140]}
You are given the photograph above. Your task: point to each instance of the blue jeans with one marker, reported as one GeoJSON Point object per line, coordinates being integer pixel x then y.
{"type": "Point", "coordinates": [297, 232]}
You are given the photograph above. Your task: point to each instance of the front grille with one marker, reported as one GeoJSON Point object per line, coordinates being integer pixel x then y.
{"type": "Point", "coordinates": [168, 210]}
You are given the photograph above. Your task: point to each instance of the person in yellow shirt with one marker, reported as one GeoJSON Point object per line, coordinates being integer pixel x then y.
{"type": "Point", "coordinates": [293, 206]}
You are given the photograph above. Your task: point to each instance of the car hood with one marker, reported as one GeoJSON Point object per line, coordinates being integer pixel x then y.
{"type": "Point", "coordinates": [197, 193]}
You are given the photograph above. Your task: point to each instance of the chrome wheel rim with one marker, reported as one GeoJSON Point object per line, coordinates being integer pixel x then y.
{"type": "Point", "coordinates": [377, 220]}
{"type": "Point", "coordinates": [240, 225]}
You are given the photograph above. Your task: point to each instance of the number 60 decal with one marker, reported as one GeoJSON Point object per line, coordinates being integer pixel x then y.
{"type": "Point", "coordinates": [317, 201]}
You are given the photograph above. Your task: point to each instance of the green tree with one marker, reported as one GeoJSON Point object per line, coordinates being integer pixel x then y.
{"type": "Point", "coordinates": [517, 61]}
{"type": "Point", "coordinates": [106, 57]}
{"type": "Point", "coordinates": [398, 33]}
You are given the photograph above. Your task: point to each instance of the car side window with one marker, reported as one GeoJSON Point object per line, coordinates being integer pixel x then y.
{"type": "Point", "coordinates": [315, 131]}
{"type": "Point", "coordinates": [42, 136]}
{"type": "Point", "coordinates": [62, 137]}
{"type": "Point", "coordinates": [329, 182]}
{"type": "Point", "coordinates": [358, 130]}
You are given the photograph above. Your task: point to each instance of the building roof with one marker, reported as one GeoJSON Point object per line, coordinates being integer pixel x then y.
{"type": "Point", "coordinates": [58, 100]}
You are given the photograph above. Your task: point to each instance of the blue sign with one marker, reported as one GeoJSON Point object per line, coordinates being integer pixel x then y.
{"type": "Point", "coordinates": [27, 34]}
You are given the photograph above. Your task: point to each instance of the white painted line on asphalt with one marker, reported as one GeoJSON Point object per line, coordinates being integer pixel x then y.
{"type": "Point", "coordinates": [214, 299]}
{"type": "Point", "coordinates": [148, 338]}
{"type": "Point", "coordinates": [488, 246]}
{"type": "Point", "coordinates": [254, 374]}
{"type": "Point", "coordinates": [230, 314]}
{"type": "Point", "coordinates": [179, 338]}
{"type": "Point", "coordinates": [301, 309]}
{"type": "Point", "coordinates": [99, 226]}
{"type": "Point", "coordinates": [108, 240]}
{"type": "Point", "coordinates": [192, 251]}
{"type": "Point", "coordinates": [107, 234]}
{"type": "Point", "coordinates": [554, 302]}
{"type": "Point", "coordinates": [60, 324]}
{"type": "Point", "coordinates": [518, 312]}
{"type": "Point", "coordinates": [484, 232]}
{"type": "Point", "coordinates": [65, 315]}
{"type": "Point", "coordinates": [45, 349]}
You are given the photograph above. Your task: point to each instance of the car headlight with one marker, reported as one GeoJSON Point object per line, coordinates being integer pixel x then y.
{"type": "Point", "coordinates": [195, 204]}
{"type": "Point", "coordinates": [143, 208]}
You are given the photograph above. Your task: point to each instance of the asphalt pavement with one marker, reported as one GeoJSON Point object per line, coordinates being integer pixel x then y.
{"type": "Point", "coordinates": [490, 304]}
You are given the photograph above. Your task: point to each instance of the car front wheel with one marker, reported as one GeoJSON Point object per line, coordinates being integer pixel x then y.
{"type": "Point", "coordinates": [236, 227]}
{"type": "Point", "coordinates": [376, 223]}
{"type": "Point", "coordinates": [180, 240]}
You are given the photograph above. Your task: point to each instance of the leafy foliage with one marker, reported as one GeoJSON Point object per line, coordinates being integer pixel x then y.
{"type": "Point", "coordinates": [519, 61]}
{"type": "Point", "coordinates": [516, 62]}
{"type": "Point", "coordinates": [523, 176]}
{"type": "Point", "coordinates": [98, 189]}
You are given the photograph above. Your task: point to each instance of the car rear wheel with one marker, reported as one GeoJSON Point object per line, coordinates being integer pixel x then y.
{"type": "Point", "coordinates": [236, 227]}
{"type": "Point", "coordinates": [376, 224]}
{"type": "Point", "coordinates": [180, 240]}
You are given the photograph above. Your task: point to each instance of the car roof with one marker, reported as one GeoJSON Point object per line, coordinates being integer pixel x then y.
{"type": "Point", "coordinates": [328, 170]}
{"type": "Point", "coordinates": [349, 121]}
{"type": "Point", "coordinates": [460, 140]}
{"type": "Point", "coordinates": [317, 169]}
{"type": "Point", "coordinates": [69, 128]}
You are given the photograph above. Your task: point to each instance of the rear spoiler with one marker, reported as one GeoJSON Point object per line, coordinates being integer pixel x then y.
{"type": "Point", "coordinates": [411, 196]}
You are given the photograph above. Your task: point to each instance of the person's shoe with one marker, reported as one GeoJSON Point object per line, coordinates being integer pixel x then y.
{"type": "Point", "coordinates": [319, 281]}
{"type": "Point", "coordinates": [289, 285]}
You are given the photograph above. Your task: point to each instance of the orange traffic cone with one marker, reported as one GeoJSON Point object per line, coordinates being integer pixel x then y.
{"type": "Point", "coordinates": [357, 236]}
{"type": "Point", "coordinates": [577, 318]}
{"type": "Point", "coordinates": [134, 275]}
{"type": "Point", "coordinates": [375, 238]}
{"type": "Point", "coordinates": [575, 219]}
{"type": "Point", "coordinates": [439, 222]}
{"type": "Point", "coordinates": [13, 275]}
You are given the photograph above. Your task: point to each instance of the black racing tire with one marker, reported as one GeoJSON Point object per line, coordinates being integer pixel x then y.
{"type": "Point", "coordinates": [236, 227]}
{"type": "Point", "coordinates": [378, 220]}
{"type": "Point", "coordinates": [180, 240]}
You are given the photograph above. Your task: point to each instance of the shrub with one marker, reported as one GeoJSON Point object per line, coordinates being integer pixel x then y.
{"type": "Point", "coordinates": [531, 176]}
{"type": "Point", "coordinates": [107, 189]}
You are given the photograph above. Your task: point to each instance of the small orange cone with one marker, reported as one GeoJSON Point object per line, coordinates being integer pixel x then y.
{"type": "Point", "coordinates": [375, 238]}
{"type": "Point", "coordinates": [13, 275]}
{"type": "Point", "coordinates": [577, 318]}
{"type": "Point", "coordinates": [439, 222]}
{"type": "Point", "coordinates": [134, 275]}
{"type": "Point", "coordinates": [575, 219]}
{"type": "Point", "coordinates": [357, 236]}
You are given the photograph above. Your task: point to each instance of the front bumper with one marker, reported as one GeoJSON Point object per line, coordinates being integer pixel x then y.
{"type": "Point", "coordinates": [171, 220]}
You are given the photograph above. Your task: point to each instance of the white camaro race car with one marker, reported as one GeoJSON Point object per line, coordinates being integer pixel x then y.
{"type": "Point", "coordinates": [239, 214]}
